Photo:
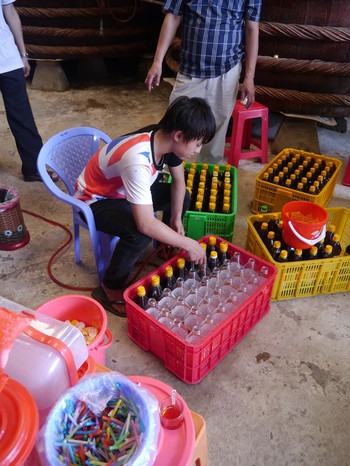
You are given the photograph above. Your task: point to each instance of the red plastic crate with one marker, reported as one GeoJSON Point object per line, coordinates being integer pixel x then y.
{"type": "Point", "coordinates": [346, 177]}
{"type": "Point", "coordinates": [192, 362]}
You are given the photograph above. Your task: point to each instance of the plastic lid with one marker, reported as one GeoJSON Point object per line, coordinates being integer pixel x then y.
{"type": "Point", "coordinates": [19, 423]}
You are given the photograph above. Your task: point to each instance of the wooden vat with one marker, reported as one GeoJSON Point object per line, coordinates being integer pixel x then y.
{"type": "Point", "coordinates": [63, 29]}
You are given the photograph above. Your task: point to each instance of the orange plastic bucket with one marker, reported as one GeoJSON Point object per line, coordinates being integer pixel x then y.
{"type": "Point", "coordinates": [299, 229]}
{"type": "Point", "coordinates": [87, 310]}
{"type": "Point", "coordinates": [19, 422]}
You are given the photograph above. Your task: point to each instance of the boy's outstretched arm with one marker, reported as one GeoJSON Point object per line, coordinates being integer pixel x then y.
{"type": "Point", "coordinates": [167, 33]}
{"type": "Point", "coordinates": [147, 224]}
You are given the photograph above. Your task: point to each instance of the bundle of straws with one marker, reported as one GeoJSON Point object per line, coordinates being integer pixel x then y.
{"type": "Point", "coordinates": [108, 439]}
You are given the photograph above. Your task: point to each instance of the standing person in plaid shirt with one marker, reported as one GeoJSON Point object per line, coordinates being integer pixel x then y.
{"type": "Point", "coordinates": [215, 35]}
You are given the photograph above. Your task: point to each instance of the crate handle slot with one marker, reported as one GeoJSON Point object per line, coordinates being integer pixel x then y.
{"type": "Point", "coordinates": [310, 242]}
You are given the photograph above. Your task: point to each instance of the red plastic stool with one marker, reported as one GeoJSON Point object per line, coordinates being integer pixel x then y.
{"type": "Point", "coordinates": [241, 137]}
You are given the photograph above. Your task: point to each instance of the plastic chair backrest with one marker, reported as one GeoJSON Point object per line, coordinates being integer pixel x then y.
{"type": "Point", "coordinates": [67, 153]}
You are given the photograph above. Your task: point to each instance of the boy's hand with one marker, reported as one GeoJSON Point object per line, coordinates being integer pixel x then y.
{"type": "Point", "coordinates": [196, 253]}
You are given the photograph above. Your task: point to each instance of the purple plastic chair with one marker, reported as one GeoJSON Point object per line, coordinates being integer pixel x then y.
{"type": "Point", "coordinates": [66, 154]}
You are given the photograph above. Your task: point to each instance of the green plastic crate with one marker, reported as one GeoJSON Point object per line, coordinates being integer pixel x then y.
{"type": "Point", "coordinates": [199, 224]}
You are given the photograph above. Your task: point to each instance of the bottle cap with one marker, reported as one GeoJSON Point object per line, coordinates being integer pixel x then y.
{"type": "Point", "coordinates": [141, 291]}
{"type": "Point", "coordinates": [271, 235]}
{"type": "Point", "coordinates": [213, 254]}
{"type": "Point", "coordinates": [212, 240]}
{"type": "Point", "coordinates": [264, 226]}
{"type": "Point", "coordinates": [155, 280]}
{"type": "Point", "coordinates": [264, 209]}
{"type": "Point", "coordinates": [283, 254]}
{"type": "Point", "coordinates": [223, 246]}
{"type": "Point", "coordinates": [328, 249]}
{"type": "Point", "coordinates": [169, 272]}
{"type": "Point", "coordinates": [336, 237]}
{"type": "Point", "coordinates": [277, 244]}
{"type": "Point", "coordinates": [180, 262]}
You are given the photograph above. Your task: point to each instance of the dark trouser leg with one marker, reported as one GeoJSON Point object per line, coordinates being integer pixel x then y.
{"type": "Point", "coordinates": [20, 119]}
{"type": "Point", "coordinates": [161, 194]}
{"type": "Point", "coordinates": [114, 216]}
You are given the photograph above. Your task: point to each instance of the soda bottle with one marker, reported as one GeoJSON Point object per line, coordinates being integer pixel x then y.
{"type": "Point", "coordinates": [283, 257]}
{"type": "Point", "coordinates": [273, 222]}
{"type": "Point", "coordinates": [328, 251]}
{"type": "Point", "coordinates": [320, 248]}
{"type": "Point", "coordinates": [312, 253]}
{"type": "Point", "coordinates": [213, 261]}
{"type": "Point", "coordinates": [276, 250]}
{"type": "Point", "coordinates": [223, 254]}
{"type": "Point", "coordinates": [155, 290]}
{"type": "Point", "coordinates": [180, 269]}
{"type": "Point", "coordinates": [258, 222]}
{"type": "Point", "coordinates": [169, 279]}
{"type": "Point", "coordinates": [329, 234]}
{"type": "Point", "coordinates": [141, 298]}
{"type": "Point", "coordinates": [211, 245]}
{"type": "Point", "coordinates": [297, 255]}
{"type": "Point", "coordinates": [263, 231]}
{"type": "Point", "coordinates": [336, 245]}
{"type": "Point", "coordinates": [278, 235]}
{"type": "Point", "coordinates": [270, 239]}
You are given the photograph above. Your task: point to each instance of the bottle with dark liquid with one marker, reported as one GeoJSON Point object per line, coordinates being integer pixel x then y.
{"type": "Point", "coordinates": [336, 245]}
{"type": "Point", "coordinates": [141, 298]}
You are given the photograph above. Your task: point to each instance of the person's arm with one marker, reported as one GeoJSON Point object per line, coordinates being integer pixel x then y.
{"type": "Point", "coordinates": [147, 224]}
{"type": "Point", "coordinates": [251, 55]}
{"type": "Point", "coordinates": [178, 191]}
{"type": "Point", "coordinates": [14, 23]}
{"type": "Point", "coordinates": [167, 33]}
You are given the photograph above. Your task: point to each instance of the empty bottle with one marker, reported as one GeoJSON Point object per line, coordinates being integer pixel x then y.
{"type": "Point", "coordinates": [152, 308]}
{"type": "Point", "coordinates": [167, 299]}
{"type": "Point", "coordinates": [179, 289]}
{"type": "Point", "coordinates": [193, 318]}
{"type": "Point", "coordinates": [181, 309]}
{"type": "Point", "coordinates": [165, 318]}
{"type": "Point", "coordinates": [194, 336]}
{"type": "Point", "coordinates": [207, 327]}
{"type": "Point", "coordinates": [192, 278]}
{"type": "Point", "coordinates": [219, 315]}
{"type": "Point", "coordinates": [179, 329]}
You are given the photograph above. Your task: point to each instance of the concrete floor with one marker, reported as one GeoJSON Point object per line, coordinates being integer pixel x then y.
{"type": "Point", "coordinates": [281, 397]}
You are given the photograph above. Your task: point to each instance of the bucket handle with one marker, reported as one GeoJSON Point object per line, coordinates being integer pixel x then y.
{"type": "Point", "coordinates": [310, 242]}
{"type": "Point", "coordinates": [105, 344]}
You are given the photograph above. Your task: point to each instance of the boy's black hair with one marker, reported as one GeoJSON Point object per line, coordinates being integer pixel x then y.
{"type": "Point", "coordinates": [192, 116]}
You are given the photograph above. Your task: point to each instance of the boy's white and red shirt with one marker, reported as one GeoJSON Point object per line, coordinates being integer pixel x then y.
{"type": "Point", "coordinates": [122, 169]}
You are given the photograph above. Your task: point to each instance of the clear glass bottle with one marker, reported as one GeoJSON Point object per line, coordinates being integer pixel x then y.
{"type": "Point", "coordinates": [193, 298]}
{"type": "Point", "coordinates": [180, 310]}
{"type": "Point", "coordinates": [194, 336]}
{"type": "Point", "coordinates": [206, 307]}
{"type": "Point", "coordinates": [165, 318]}
{"type": "Point", "coordinates": [179, 289]}
{"type": "Point", "coordinates": [193, 318]}
{"type": "Point", "coordinates": [192, 278]}
{"type": "Point", "coordinates": [207, 327]}
{"type": "Point", "coordinates": [248, 268]}
{"type": "Point", "coordinates": [152, 308]}
{"type": "Point", "coordinates": [219, 315]}
{"type": "Point", "coordinates": [231, 304]}
{"type": "Point", "coordinates": [179, 329]}
{"type": "Point", "coordinates": [167, 299]}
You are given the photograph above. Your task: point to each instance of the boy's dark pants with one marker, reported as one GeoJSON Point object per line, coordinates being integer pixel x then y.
{"type": "Point", "coordinates": [114, 216]}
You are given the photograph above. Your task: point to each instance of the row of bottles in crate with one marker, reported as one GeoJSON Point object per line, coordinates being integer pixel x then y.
{"type": "Point", "coordinates": [209, 192]}
{"type": "Point", "coordinates": [271, 234]}
{"type": "Point", "coordinates": [302, 173]}
{"type": "Point", "coordinates": [193, 300]}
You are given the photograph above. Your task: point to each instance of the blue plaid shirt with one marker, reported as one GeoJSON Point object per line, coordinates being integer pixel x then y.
{"type": "Point", "coordinates": [212, 33]}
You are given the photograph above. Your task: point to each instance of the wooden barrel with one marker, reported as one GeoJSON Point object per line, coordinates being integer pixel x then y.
{"type": "Point", "coordinates": [304, 57]}
{"type": "Point", "coordinates": [62, 29]}
{"type": "Point", "coordinates": [303, 65]}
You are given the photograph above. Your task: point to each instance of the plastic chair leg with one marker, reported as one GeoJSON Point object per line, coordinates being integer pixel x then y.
{"type": "Point", "coordinates": [200, 454]}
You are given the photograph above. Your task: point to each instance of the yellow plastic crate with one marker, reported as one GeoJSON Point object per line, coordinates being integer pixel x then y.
{"type": "Point", "coordinates": [276, 196]}
{"type": "Point", "coordinates": [311, 277]}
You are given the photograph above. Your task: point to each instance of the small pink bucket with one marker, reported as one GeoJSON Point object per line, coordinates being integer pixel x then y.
{"type": "Point", "coordinates": [87, 310]}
